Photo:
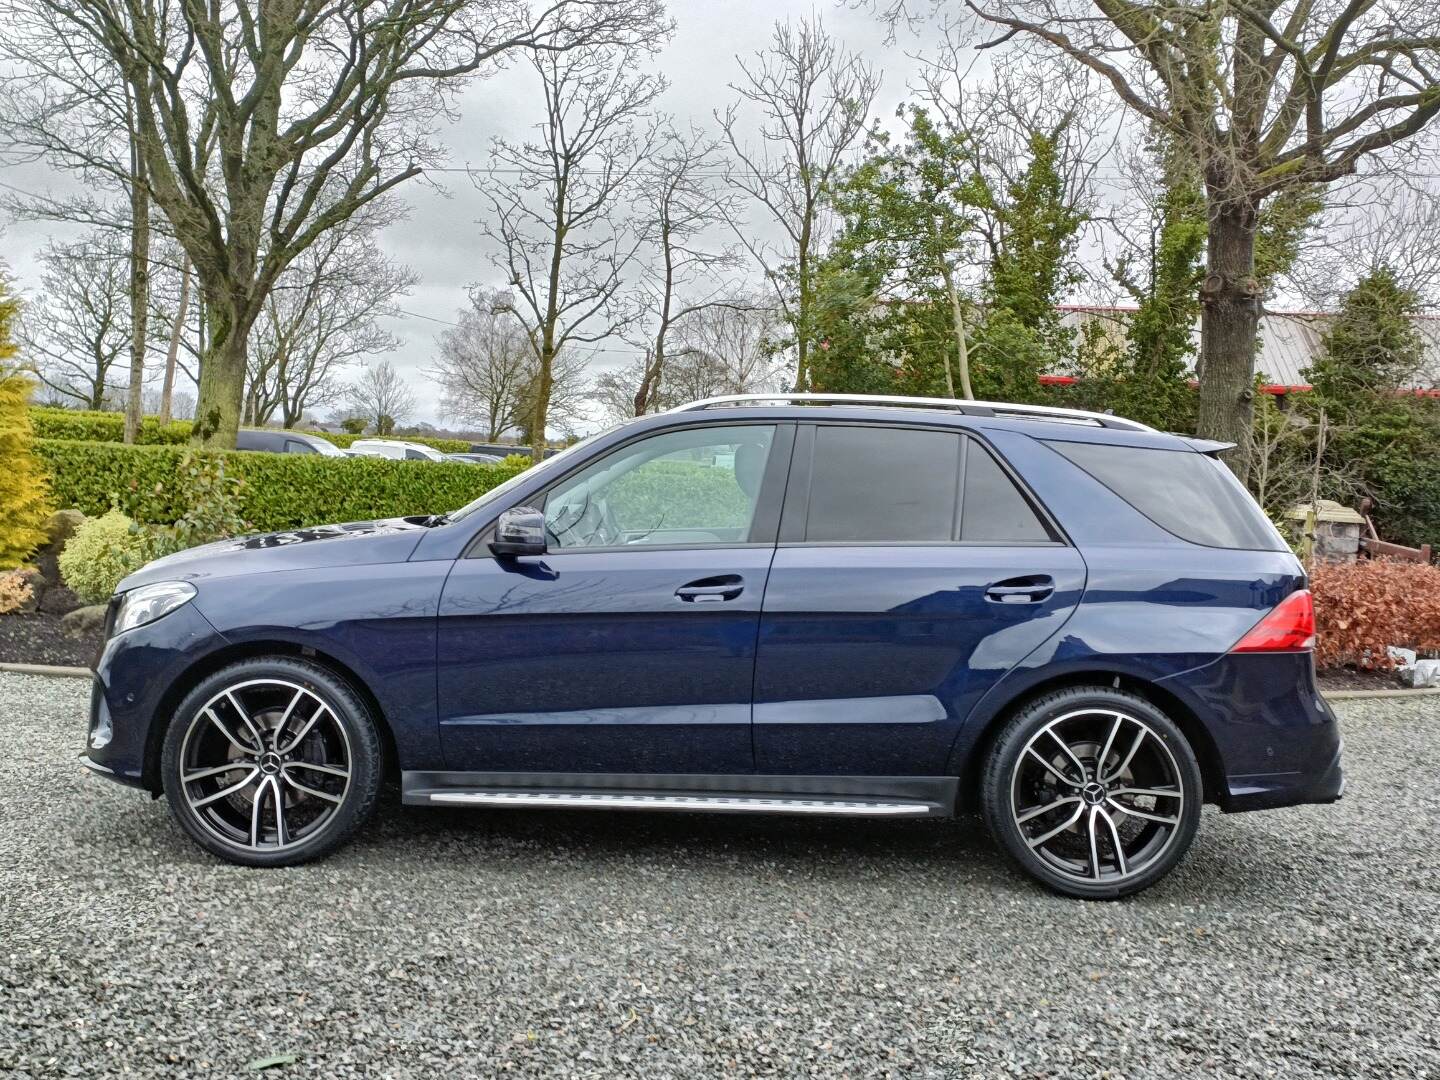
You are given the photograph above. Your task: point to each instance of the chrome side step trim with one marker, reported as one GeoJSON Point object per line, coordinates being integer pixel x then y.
{"type": "Point", "coordinates": [702, 803]}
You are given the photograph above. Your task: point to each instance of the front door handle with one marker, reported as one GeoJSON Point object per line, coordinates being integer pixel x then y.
{"type": "Point", "coordinates": [1021, 590]}
{"type": "Point", "coordinates": [712, 590]}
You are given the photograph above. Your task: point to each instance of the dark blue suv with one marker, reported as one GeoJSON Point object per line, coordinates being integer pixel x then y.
{"type": "Point", "coordinates": [812, 604]}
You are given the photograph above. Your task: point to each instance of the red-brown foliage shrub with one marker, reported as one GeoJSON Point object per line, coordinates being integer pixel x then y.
{"type": "Point", "coordinates": [1362, 607]}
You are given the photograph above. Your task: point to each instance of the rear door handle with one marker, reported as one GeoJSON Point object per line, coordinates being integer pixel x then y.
{"type": "Point", "coordinates": [1021, 590]}
{"type": "Point", "coordinates": [712, 590]}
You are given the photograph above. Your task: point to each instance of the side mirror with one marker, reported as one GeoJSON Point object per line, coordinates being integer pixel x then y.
{"type": "Point", "coordinates": [520, 531]}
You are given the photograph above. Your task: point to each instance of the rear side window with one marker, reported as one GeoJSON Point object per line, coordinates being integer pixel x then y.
{"type": "Point", "coordinates": [903, 485]}
{"type": "Point", "coordinates": [295, 446]}
{"type": "Point", "coordinates": [1189, 494]}
{"type": "Point", "coordinates": [876, 484]}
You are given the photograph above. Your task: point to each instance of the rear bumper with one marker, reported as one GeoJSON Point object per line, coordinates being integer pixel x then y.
{"type": "Point", "coordinates": [1270, 792]}
{"type": "Point", "coordinates": [1275, 740]}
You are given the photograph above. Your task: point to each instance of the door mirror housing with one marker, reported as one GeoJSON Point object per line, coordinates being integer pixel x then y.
{"type": "Point", "coordinates": [520, 531]}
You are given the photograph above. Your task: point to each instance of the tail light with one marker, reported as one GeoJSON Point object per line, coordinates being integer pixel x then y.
{"type": "Point", "coordinates": [1290, 627]}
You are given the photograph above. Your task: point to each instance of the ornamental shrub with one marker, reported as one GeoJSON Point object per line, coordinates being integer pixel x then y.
{"type": "Point", "coordinates": [102, 552]}
{"type": "Point", "coordinates": [24, 503]}
{"type": "Point", "coordinates": [278, 491]}
{"type": "Point", "coordinates": [1364, 606]}
{"type": "Point", "coordinates": [15, 591]}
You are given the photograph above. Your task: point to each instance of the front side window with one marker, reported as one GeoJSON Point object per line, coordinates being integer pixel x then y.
{"type": "Point", "coordinates": [697, 486]}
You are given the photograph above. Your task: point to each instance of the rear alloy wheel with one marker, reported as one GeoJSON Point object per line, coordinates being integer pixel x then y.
{"type": "Point", "coordinates": [1093, 791]}
{"type": "Point", "coordinates": [271, 762]}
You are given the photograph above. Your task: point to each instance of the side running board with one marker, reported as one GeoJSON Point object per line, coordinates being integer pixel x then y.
{"type": "Point", "coordinates": [725, 804]}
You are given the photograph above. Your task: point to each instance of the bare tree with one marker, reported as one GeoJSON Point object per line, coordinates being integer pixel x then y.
{"type": "Point", "coordinates": [64, 102]}
{"type": "Point", "coordinates": [80, 326]}
{"type": "Point", "coordinates": [683, 205]}
{"type": "Point", "coordinates": [259, 130]}
{"type": "Point", "coordinates": [487, 370]}
{"type": "Point", "coordinates": [723, 348]}
{"type": "Point", "coordinates": [323, 314]}
{"type": "Point", "coordinates": [565, 242]}
{"type": "Point", "coordinates": [814, 98]}
{"type": "Point", "coordinates": [1269, 99]}
{"type": "Point", "coordinates": [382, 398]}
{"type": "Point", "coordinates": [742, 336]}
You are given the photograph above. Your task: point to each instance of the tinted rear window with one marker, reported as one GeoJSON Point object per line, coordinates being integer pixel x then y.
{"type": "Point", "coordinates": [1189, 494]}
{"type": "Point", "coordinates": [873, 484]}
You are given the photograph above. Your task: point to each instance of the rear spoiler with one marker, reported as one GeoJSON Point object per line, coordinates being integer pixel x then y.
{"type": "Point", "coordinates": [1212, 447]}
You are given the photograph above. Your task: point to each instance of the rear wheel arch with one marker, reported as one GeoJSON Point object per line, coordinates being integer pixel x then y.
{"type": "Point", "coordinates": [207, 665]}
{"type": "Point", "coordinates": [1212, 772]}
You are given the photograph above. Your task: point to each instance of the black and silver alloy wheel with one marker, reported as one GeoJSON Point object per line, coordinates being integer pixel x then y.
{"type": "Point", "coordinates": [1094, 791]}
{"type": "Point", "coordinates": [271, 762]}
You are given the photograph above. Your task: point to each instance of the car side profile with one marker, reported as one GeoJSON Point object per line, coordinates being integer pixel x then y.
{"type": "Point", "coordinates": [270, 440]}
{"type": "Point", "coordinates": [1081, 627]}
{"type": "Point", "coordinates": [396, 450]}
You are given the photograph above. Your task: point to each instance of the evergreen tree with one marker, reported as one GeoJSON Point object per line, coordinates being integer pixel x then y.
{"type": "Point", "coordinates": [24, 507]}
{"type": "Point", "coordinates": [1383, 442]}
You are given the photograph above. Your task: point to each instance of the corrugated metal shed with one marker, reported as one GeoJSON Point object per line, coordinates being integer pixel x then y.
{"type": "Point", "coordinates": [1289, 341]}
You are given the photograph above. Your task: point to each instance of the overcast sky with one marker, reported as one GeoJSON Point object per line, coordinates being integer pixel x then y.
{"type": "Point", "coordinates": [441, 240]}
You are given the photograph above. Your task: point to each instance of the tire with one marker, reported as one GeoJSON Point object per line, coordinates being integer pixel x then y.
{"type": "Point", "coordinates": [1093, 792]}
{"type": "Point", "coordinates": [284, 733]}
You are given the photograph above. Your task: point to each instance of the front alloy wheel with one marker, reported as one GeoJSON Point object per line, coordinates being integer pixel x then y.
{"type": "Point", "coordinates": [1094, 792]}
{"type": "Point", "coordinates": [271, 762]}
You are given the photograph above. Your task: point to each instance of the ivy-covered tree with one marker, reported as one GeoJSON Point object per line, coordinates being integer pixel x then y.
{"type": "Point", "coordinates": [944, 276]}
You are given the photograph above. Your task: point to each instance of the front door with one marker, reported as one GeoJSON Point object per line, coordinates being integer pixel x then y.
{"type": "Point", "coordinates": [912, 573]}
{"type": "Point", "coordinates": [629, 647]}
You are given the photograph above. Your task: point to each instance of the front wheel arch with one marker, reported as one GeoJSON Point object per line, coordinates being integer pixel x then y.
{"type": "Point", "coordinates": [212, 662]}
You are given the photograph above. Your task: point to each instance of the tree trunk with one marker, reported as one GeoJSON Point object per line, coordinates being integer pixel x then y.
{"type": "Point", "coordinates": [1229, 324]}
{"type": "Point", "coordinates": [139, 294]}
{"type": "Point", "coordinates": [222, 379]}
{"type": "Point", "coordinates": [540, 407]}
{"type": "Point", "coordinates": [172, 355]}
{"type": "Point", "coordinates": [962, 348]}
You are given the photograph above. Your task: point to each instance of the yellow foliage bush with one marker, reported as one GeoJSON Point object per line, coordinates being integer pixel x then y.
{"type": "Point", "coordinates": [24, 494]}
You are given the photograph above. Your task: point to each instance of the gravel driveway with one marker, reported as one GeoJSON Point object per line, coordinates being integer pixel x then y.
{"type": "Point", "coordinates": [1297, 943]}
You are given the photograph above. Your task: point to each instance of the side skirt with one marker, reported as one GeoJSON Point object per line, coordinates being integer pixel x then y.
{"type": "Point", "coordinates": [853, 796]}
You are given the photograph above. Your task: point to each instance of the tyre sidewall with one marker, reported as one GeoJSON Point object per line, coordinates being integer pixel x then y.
{"type": "Point", "coordinates": [347, 707]}
{"type": "Point", "coordinates": [1009, 744]}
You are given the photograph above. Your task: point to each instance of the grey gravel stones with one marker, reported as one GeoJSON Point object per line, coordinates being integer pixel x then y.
{"type": "Point", "coordinates": [1297, 943]}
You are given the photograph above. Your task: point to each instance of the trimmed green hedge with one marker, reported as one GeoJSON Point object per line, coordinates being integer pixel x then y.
{"type": "Point", "coordinates": [103, 427]}
{"type": "Point", "coordinates": [53, 423]}
{"type": "Point", "coordinates": [281, 491]}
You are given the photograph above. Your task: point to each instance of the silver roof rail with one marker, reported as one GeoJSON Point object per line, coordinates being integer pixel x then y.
{"type": "Point", "coordinates": [969, 408]}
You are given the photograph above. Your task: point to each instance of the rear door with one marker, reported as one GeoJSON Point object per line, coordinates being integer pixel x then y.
{"type": "Point", "coordinates": [913, 571]}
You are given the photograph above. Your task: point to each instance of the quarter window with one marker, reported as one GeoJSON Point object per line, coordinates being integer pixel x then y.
{"type": "Point", "coordinates": [995, 510]}
{"type": "Point", "coordinates": [696, 486]}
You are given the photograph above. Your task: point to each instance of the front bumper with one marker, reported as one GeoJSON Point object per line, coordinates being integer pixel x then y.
{"type": "Point", "coordinates": [132, 680]}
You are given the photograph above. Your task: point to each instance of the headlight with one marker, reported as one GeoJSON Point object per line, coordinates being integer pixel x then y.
{"type": "Point", "coordinates": [150, 602]}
